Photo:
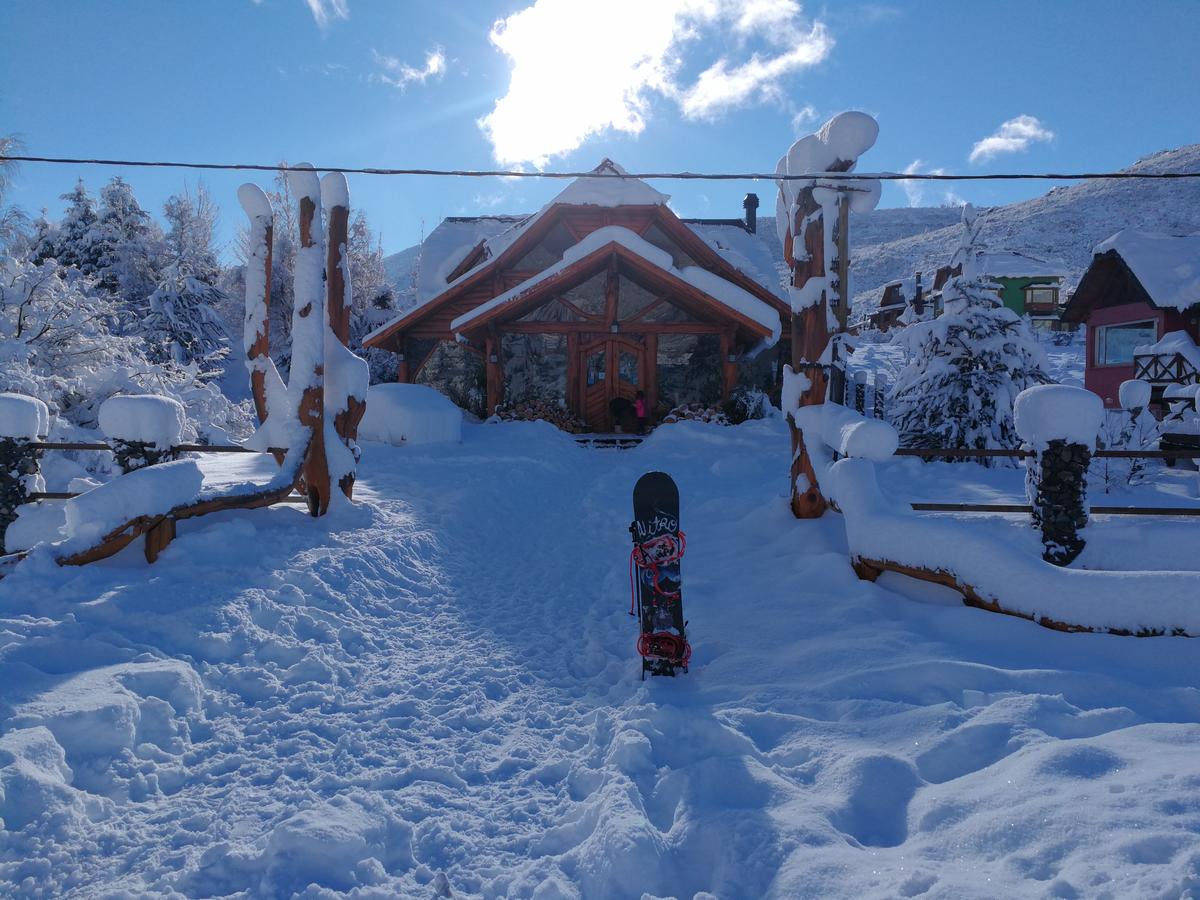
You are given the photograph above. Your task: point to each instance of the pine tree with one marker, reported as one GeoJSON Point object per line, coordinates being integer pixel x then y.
{"type": "Point", "coordinates": [12, 219]}
{"type": "Point", "coordinates": [129, 246]}
{"type": "Point", "coordinates": [72, 242]}
{"type": "Point", "coordinates": [967, 366]}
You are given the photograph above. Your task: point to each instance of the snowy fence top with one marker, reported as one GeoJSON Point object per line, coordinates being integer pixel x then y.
{"type": "Point", "coordinates": [1049, 412]}
{"type": "Point", "coordinates": [143, 418]}
{"type": "Point", "coordinates": [23, 418]}
{"type": "Point", "coordinates": [853, 434]}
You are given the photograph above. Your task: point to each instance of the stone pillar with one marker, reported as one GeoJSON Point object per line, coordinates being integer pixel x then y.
{"type": "Point", "coordinates": [20, 475]}
{"type": "Point", "coordinates": [1056, 482]}
{"type": "Point", "coordinates": [1060, 423]}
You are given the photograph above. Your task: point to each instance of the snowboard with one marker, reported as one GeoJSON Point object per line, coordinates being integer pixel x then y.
{"type": "Point", "coordinates": [658, 547]}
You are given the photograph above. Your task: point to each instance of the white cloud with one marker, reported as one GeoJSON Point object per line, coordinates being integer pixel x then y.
{"type": "Point", "coordinates": [918, 192]}
{"type": "Point", "coordinates": [400, 74]}
{"type": "Point", "coordinates": [1013, 136]}
{"type": "Point", "coordinates": [323, 10]}
{"type": "Point", "coordinates": [584, 67]}
{"type": "Point", "coordinates": [804, 116]}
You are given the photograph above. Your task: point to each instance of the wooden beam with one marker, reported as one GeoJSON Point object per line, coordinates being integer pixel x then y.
{"type": "Point", "coordinates": [650, 341]}
{"type": "Point", "coordinates": [493, 372]}
{"type": "Point", "coordinates": [728, 369]}
{"type": "Point", "coordinates": [574, 403]}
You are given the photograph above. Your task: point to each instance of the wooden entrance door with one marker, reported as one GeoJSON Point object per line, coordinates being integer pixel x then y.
{"type": "Point", "coordinates": [609, 367]}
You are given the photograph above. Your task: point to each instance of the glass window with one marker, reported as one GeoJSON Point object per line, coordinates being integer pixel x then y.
{"type": "Point", "coordinates": [1041, 296]}
{"type": "Point", "coordinates": [1115, 343]}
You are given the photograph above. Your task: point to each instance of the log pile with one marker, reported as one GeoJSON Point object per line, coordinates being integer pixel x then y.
{"type": "Point", "coordinates": [696, 412]}
{"type": "Point", "coordinates": [544, 410]}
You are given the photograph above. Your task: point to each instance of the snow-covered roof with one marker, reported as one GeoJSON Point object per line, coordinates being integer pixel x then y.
{"type": "Point", "coordinates": [1013, 264]}
{"type": "Point", "coordinates": [603, 190]}
{"type": "Point", "coordinates": [1167, 265]}
{"type": "Point", "coordinates": [758, 256]}
{"type": "Point", "coordinates": [725, 292]}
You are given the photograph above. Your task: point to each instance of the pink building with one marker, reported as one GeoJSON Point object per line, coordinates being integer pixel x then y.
{"type": "Point", "coordinates": [1140, 288]}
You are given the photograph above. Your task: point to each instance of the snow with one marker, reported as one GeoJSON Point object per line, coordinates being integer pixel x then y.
{"type": "Point", "coordinates": [334, 190]}
{"type": "Point", "coordinates": [1134, 394]}
{"type": "Point", "coordinates": [1007, 571]}
{"type": "Point", "coordinates": [1174, 342]}
{"type": "Point", "coordinates": [22, 417]}
{"type": "Point", "coordinates": [410, 414]}
{"type": "Point", "coordinates": [754, 255]}
{"type": "Point", "coordinates": [1168, 266]}
{"type": "Point", "coordinates": [851, 434]}
{"type": "Point", "coordinates": [1047, 412]}
{"type": "Point", "coordinates": [151, 491]}
{"type": "Point", "coordinates": [724, 292]}
{"type": "Point", "coordinates": [401, 699]}
{"type": "Point", "coordinates": [1011, 264]}
{"type": "Point", "coordinates": [146, 418]}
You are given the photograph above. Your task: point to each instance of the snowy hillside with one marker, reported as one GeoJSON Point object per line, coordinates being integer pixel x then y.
{"type": "Point", "coordinates": [1064, 224]}
{"type": "Point", "coordinates": [411, 697]}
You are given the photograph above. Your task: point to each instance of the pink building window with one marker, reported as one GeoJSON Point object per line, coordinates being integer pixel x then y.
{"type": "Point", "coordinates": [1115, 344]}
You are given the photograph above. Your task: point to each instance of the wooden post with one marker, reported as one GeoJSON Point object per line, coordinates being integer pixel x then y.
{"type": "Point", "coordinates": [158, 536]}
{"type": "Point", "coordinates": [810, 334]}
{"type": "Point", "coordinates": [574, 401]}
{"type": "Point", "coordinates": [880, 394]}
{"type": "Point", "coordinates": [311, 412]}
{"type": "Point", "coordinates": [337, 310]}
{"type": "Point", "coordinates": [728, 369]}
{"type": "Point", "coordinates": [860, 392]}
{"type": "Point", "coordinates": [493, 372]}
{"type": "Point", "coordinates": [257, 340]}
{"type": "Point", "coordinates": [403, 375]}
{"type": "Point", "coordinates": [651, 388]}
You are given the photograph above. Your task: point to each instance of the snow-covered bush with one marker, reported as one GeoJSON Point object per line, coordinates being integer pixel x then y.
{"type": "Point", "coordinates": [410, 414]}
{"type": "Point", "coordinates": [56, 344]}
{"type": "Point", "coordinates": [1132, 427]}
{"type": "Point", "coordinates": [746, 403]}
{"type": "Point", "coordinates": [967, 366]}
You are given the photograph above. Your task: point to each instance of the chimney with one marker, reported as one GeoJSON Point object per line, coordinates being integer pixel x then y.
{"type": "Point", "coordinates": [750, 204]}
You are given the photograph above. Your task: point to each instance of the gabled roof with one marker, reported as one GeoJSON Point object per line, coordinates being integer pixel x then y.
{"type": "Point", "coordinates": [691, 283]}
{"type": "Point", "coordinates": [1160, 270]}
{"type": "Point", "coordinates": [628, 195]}
{"type": "Point", "coordinates": [1166, 265]}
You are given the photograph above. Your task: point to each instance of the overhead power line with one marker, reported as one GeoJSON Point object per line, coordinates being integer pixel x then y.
{"type": "Point", "coordinates": [677, 176]}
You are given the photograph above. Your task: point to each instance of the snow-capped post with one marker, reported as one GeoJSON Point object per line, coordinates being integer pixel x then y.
{"type": "Point", "coordinates": [1060, 424]}
{"type": "Point", "coordinates": [811, 215]}
{"type": "Point", "coordinates": [306, 381]}
{"type": "Point", "coordinates": [346, 376]}
{"type": "Point", "coordinates": [256, 325]}
{"type": "Point", "coordinates": [23, 421]}
{"type": "Point", "coordinates": [143, 429]}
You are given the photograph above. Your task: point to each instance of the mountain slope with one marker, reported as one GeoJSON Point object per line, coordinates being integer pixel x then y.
{"type": "Point", "coordinates": [1065, 224]}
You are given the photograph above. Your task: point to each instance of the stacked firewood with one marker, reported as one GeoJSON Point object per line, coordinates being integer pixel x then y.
{"type": "Point", "coordinates": [545, 410]}
{"type": "Point", "coordinates": [696, 412]}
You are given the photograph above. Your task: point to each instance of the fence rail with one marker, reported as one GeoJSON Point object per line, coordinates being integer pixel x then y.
{"type": "Point", "coordinates": [1027, 508]}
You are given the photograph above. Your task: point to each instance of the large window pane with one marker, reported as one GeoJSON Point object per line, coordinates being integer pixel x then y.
{"type": "Point", "coordinates": [1115, 343]}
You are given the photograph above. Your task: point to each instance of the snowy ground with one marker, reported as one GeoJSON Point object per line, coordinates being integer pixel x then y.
{"type": "Point", "coordinates": [441, 679]}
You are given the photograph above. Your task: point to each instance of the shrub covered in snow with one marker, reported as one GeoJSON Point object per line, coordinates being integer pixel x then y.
{"type": "Point", "coordinates": [410, 414]}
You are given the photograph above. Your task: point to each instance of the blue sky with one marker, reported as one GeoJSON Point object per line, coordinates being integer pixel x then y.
{"type": "Point", "coordinates": [701, 85]}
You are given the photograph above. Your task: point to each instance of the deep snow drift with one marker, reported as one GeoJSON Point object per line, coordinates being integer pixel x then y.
{"type": "Point", "coordinates": [441, 680]}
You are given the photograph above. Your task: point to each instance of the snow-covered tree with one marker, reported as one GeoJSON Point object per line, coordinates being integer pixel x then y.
{"type": "Point", "coordinates": [72, 242]}
{"type": "Point", "coordinates": [967, 366]}
{"type": "Point", "coordinates": [374, 299]}
{"type": "Point", "coordinates": [12, 219]}
{"type": "Point", "coordinates": [129, 246]}
{"type": "Point", "coordinates": [184, 323]}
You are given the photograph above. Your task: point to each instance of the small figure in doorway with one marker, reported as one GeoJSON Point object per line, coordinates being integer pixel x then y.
{"type": "Point", "coordinates": [621, 411]}
{"type": "Point", "coordinates": [639, 410]}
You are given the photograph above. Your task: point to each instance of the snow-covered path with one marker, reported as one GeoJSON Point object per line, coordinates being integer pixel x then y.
{"type": "Point", "coordinates": [441, 679]}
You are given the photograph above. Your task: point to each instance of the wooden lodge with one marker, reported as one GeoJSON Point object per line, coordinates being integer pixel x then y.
{"type": "Point", "coordinates": [1140, 300]}
{"type": "Point", "coordinates": [612, 291]}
